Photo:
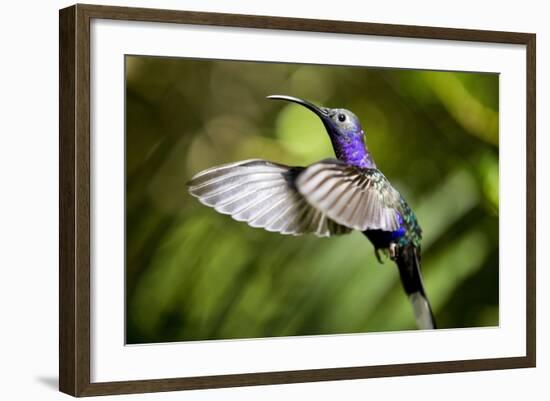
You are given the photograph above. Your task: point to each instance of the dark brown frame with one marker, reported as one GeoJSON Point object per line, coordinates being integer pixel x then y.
{"type": "Point", "coordinates": [74, 199]}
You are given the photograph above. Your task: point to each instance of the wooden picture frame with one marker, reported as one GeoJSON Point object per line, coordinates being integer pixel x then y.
{"type": "Point", "coordinates": [74, 205]}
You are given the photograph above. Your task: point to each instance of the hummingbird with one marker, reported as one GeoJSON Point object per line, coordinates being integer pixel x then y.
{"type": "Point", "coordinates": [327, 198]}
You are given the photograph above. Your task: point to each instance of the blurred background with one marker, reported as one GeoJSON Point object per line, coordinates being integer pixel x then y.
{"type": "Point", "coordinates": [193, 274]}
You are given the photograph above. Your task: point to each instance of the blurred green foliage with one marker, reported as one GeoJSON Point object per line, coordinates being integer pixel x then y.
{"type": "Point", "coordinates": [193, 274]}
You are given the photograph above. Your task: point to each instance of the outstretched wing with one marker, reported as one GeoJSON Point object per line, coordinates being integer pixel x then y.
{"type": "Point", "coordinates": [263, 194]}
{"type": "Point", "coordinates": [355, 197]}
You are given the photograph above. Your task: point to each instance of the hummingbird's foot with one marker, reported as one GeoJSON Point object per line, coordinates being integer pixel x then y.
{"type": "Point", "coordinates": [392, 250]}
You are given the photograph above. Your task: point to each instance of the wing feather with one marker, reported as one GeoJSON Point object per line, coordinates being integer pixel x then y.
{"type": "Point", "coordinates": [353, 197]}
{"type": "Point", "coordinates": [263, 194]}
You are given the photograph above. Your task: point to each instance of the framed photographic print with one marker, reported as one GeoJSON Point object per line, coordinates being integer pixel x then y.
{"type": "Point", "coordinates": [251, 200]}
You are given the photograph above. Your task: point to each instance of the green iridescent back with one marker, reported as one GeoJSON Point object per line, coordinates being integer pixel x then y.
{"type": "Point", "coordinates": [413, 232]}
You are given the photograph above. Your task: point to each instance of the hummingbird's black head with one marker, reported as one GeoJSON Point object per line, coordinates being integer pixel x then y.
{"type": "Point", "coordinates": [343, 128]}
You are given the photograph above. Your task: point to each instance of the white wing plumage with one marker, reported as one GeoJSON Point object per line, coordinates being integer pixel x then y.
{"type": "Point", "coordinates": [354, 197]}
{"type": "Point", "coordinates": [263, 194]}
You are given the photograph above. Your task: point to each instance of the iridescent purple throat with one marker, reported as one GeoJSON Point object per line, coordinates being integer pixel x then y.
{"type": "Point", "coordinates": [351, 149]}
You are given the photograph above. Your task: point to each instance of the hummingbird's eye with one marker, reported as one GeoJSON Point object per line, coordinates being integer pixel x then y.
{"type": "Point", "coordinates": [341, 117]}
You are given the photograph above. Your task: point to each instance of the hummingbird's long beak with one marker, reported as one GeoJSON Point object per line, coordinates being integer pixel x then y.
{"type": "Point", "coordinates": [320, 111]}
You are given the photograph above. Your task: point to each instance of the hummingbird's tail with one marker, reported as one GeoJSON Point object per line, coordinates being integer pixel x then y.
{"type": "Point", "coordinates": [408, 262]}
